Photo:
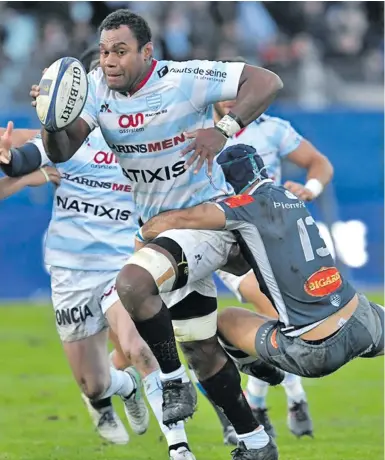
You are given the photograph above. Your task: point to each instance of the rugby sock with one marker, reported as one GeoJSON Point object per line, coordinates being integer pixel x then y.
{"type": "Point", "coordinates": [295, 392]}
{"type": "Point", "coordinates": [176, 436]}
{"type": "Point", "coordinates": [180, 373]}
{"type": "Point", "coordinates": [256, 391]}
{"type": "Point", "coordinates": [256, 439]}
{"type": "Point", "coordinates": [224, 389]}
{"type": "Point", "coordinates": [101, 403]}
{"type": "Point", "coordinates": [222, 417]}
{"type": "Point", "coordinates": [159, 335]}
{"type": "Point", "coordinates": [122, 384]}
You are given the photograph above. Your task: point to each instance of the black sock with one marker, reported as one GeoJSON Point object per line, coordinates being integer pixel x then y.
{"type": "Point", "coordinates": [159, 335]}
{"type": "Point", "coordinates": [224, 388]}
{"type": "Point", "coordinates": [101, 403]}
{"type": "Point", "coordinates": [176, 446]}
{"type": "Point", "coordinates": [222, 417]}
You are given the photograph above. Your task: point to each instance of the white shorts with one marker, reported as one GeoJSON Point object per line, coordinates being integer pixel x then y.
{"type": "Point", "coordinates": [232, 282]}
{"type": "Point", "coordinates": [80, 300]}
{"type": "Point", "coordinates": [205, 251]}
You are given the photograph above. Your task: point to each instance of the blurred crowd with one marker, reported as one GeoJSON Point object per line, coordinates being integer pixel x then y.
{"type": "Point", "coordinates": [325, 52]}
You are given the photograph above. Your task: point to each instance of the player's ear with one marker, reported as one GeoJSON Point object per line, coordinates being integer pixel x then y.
{"type": "Point", "coordinates": [148, 50]}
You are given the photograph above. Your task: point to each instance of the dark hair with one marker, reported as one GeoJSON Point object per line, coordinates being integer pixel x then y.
{"type": "Point", "coordinates": [134, 22]}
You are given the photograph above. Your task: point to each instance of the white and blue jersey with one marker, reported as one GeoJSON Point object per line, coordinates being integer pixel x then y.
{"type": "Point", "coordinates": [273, 139]}
{"type": "Point", "coordinates": [93, 221]}
{"type": "Point", "coordinates": [146, 130]}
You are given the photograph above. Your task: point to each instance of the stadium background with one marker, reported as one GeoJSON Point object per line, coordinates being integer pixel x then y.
{"type": "Point", "coordinates": [330, 57]}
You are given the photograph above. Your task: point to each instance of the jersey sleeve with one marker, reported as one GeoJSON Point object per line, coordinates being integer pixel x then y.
{"type": "Point", "coordinates": [235, 209]}
{"type": "Point", "coordinates": [90, 112]}
{"type": "Point", "coordinates": [285, 137]}
{"type": "Point", "coordinates": [207, 82]}
{"type": "Point", "coordinates": [38, 142]}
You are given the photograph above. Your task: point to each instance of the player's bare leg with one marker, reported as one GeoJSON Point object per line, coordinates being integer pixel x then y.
{"type": "Point", "coordinates": [131, 349]}
{"type": "Point", "coordinates": [298, 418]}
{"type": "Point", "coordinates": [88, 359]}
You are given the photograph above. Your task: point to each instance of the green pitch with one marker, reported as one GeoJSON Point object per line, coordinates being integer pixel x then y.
{"type": "Point", "coordinates": [43, 418]}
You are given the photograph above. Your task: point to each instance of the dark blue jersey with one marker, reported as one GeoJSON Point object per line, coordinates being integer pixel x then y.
{"type": "Point", "coordinates": [282, 243]}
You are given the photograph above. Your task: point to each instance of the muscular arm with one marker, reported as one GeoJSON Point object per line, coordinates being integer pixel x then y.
{"type": "Point", "coordinates": [317, 165]}
{"type": "Point", "coordinates": [258, 87]}
{"type": "Point", "coordinates": [64, 144]}
{"type": "Point", "coordinates": [204, 216]}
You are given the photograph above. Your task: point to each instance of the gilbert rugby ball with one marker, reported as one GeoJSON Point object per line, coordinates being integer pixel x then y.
{"type": "Point", "coordinates": [63, 93]}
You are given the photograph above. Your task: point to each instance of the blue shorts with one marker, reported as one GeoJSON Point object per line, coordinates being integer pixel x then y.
{"type": "Point", "coordinates": [362, 335]}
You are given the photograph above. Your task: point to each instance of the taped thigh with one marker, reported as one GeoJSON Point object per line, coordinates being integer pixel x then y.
{"type": "Point", "coordinates": [195, 329]}
{"type": "Point", "coordinates": [157, 265]}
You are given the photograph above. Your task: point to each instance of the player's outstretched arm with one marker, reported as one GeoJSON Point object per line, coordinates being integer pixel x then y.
{"type": "Point", "coordinates": [319, 171]}
{"type": "Point", "coordinates": [17, 162]}
{"type": "Point", "coordinates": [64, 144]}
{"type": "Point", "coordinates": [11, 185]}
{"type": "Point", "coordinates": [204, 216]}
{"type": "Point", "coordinates": [20, 136]}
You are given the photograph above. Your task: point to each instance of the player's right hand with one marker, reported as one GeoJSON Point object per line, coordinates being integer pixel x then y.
{"type": "Point", "coordinates": [6, 144]}
{"type": "Point", "coordinates": [35, 91]}
{"type": "Point", "coordinates": [42, 176]}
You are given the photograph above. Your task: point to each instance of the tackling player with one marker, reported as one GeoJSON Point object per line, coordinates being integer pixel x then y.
{"type": "Point", "coordinates": [89, 238]}
{"type": "Point", "coordinates": [323, 323]}
{"type": "Point", "coordinates": [148, 111]}
{"type": "Point", "coordinates": [275, 139]}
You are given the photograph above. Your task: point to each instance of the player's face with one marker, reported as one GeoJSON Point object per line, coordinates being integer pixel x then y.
{"type": "Point", "coordinates": [224, 107]}
{"type": "Point", "coordinates": [122, 62]}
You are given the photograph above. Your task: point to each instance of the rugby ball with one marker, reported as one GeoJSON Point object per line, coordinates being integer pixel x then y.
{"type": "Point", "coordinates": [63, 93]}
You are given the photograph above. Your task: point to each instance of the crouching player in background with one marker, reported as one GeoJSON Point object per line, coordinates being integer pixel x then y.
{"type": "Point", "coordinates": [323, 323]}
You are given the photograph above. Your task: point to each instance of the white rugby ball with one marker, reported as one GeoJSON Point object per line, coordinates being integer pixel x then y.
{"type": "Point", "coordinates": [63, 93]}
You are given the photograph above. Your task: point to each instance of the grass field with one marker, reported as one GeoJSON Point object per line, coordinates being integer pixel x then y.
{"type": "Point", "coordinates": [42, 416]}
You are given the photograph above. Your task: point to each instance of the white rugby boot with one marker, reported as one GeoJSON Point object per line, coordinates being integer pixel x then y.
{"type": "Point", "coordinates": [182, 453]}
{"type": "Point", "coordinates": [107, 423]}
{"type": "Point", "coordinates": [135, 407]}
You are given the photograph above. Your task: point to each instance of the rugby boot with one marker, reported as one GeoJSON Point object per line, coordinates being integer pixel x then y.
{"type": "Point", "coordinates": [135, 406]}
{"type": "Point", "coordinates": [179, 401]}
{"type": "Point", "coordinates": [182, 453]}
{"type": "Point", "coordinates": [269, 452]}
{"type": "Point", "coordinates": [107, 423]}
{"type": "Point", "coordinates": [299, 420]}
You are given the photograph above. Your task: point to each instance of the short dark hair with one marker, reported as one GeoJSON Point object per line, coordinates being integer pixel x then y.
{"type": "Point", "coordinates": [134, 22]}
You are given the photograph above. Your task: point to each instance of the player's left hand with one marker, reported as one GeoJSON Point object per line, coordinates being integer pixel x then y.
{"type": "Point", "coordinates": [299, 190]}
{"type": "Point", "coordinates": [207, 144]}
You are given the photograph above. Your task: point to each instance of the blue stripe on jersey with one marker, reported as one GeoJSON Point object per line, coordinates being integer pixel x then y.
{"type": "Point", "coordinates": [58, 242]}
